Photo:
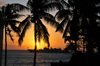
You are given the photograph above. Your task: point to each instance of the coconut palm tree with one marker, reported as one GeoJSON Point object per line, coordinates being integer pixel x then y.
{"type": "Point", "coordinates": [1, 39]}
{"type": "Point", "coordinates": [89, 17]}
{"type": "Point", "coordinates": [83, 17]}
{"type": "Point", "coordinates": [8, 13]}
{"type": "Point", "coordinates": [39, 10]}
{"type": "Point", "coordinates": [69, 21]}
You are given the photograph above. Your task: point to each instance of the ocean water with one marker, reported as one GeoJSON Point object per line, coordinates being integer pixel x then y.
{"type": "Point", "coordinates": [25, 58]}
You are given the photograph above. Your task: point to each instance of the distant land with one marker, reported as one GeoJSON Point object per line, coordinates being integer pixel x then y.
{"type": "Point", "coordinates": [47, 50]}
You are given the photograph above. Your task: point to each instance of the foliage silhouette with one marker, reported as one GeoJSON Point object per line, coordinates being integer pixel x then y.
{"type": "Point", "coordinates": [39, 10]}
{"type": "Point", "coordinates": [8, 14]}
{"type": "Point", "coordinates": [79, 18]}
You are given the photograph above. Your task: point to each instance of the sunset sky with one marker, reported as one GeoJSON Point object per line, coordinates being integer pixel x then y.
{"type": "Point", "coordinates": [55, 38]}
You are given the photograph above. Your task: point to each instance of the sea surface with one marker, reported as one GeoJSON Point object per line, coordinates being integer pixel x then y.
{"type": "Point", "coordinates": [25, 58]}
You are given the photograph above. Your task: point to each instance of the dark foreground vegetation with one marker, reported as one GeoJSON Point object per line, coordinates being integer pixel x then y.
{"type": "Point", "coordinates": [81, 59]}
{"type": "Point", "coordinates": [83, 29]}
{"type": "Point", "coordinates": [78, 20]}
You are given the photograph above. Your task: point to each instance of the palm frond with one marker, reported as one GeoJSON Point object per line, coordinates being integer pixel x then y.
{"type": "Point", "coordinates": [15, 29]}
{"type": "Point", "coordinates": [24, 22]}
{"type": "Point", "coordinates": [61, 25]}
{"type": "Point", "coordinates": [65, 4]}
{"type": "Point", "coordinates": [71, 2]}
{"type": "Point", "coordinates": [18, 7]}
{"type": "Point", "coordinates": [38, 32]}
{"type": "Point", "coordinates": [51, 21]}
{"type": "Point", "coordinates": [52, 6]}
{"type": "Point", "coordinates": [23, 33]}
{"type": "Point", "coordinates": [47, 15]}
{"type": "Point", "coordinates": [9, 33]}
{"type": "Point", "coordinates": [44, 33]}
{"type": "Point", "coordinates": [14, 16]}
{"type": "Point", "coordinates": [30, 3]}
{"type": "Point", "coordinates": [62, 14]}
{"type": "Point", "coordinates": [66, 29]}
{"type": "Point", "coordinates": [64, 22]}
{"type": "Point", "coordinates": [14, 22]}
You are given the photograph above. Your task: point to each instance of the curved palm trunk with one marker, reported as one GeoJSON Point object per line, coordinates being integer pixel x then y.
{"type": "Point", "coordinates": [35, 45]}
{"type": "Point", "coordinates": [5, 47]}
{"type": "Point", "coordinates": [1, 43]}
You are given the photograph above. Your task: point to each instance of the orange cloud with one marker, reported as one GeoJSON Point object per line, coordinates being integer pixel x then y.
{"type": "Point", "coordinates": [2, 3]}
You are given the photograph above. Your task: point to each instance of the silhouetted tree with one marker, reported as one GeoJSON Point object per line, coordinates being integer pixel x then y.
{"type": "Point", "coordinates": [83, 17]}
{"type": "Point", "coordinates": [8, 13]}
{"type": "Point", "coordinates": [69, 21]}
{"type": "Point", "coordinates": [1, 39]}
{"type": "Point", "coordinates": [88, 12]}
{"type": "Point", "coordinates": [39, 10]}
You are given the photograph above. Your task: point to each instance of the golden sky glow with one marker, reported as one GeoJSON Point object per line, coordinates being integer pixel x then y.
{"type": "Point", "coordinates": [55, 39]}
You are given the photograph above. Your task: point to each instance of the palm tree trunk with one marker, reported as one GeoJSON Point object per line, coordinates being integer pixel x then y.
{"type": "Point", "coordinates": [35, 46]}
{"type": "Point", "coordinates": [75, 46]}
{"type": "Point", "coordinates": [1, 43]}
{"type": "Point", "coordinates": [5, 47]}
{"type": "Point", "coordinates": [84, 46]}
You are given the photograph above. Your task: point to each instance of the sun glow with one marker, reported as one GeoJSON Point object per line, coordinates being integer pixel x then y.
{"type": "Point", "coordinates": [37, 43]}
